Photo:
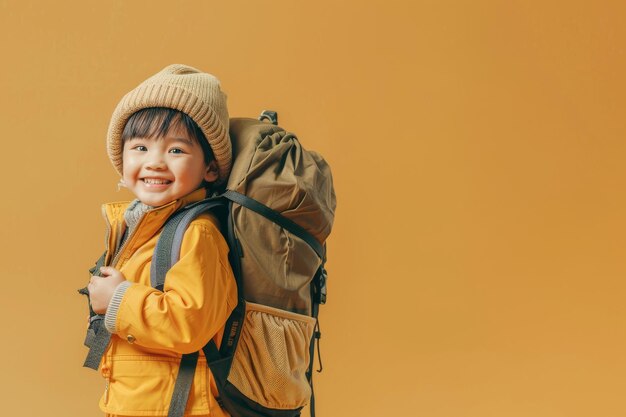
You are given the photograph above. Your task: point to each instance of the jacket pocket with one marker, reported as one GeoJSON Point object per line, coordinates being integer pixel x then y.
{"type": "Point", "coordinates": [272, 357]}
{"type": "Point", "coordinates": [143, 385]}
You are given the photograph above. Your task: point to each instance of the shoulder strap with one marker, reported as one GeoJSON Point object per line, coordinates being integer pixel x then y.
{"type": "Point", "coordinates": [180, 395]}
{"type": "Point", "coordinates": [166, 254]}
{"type": "Point", "coordinates": [167, 250]}
{"type": "Point", "coordinates": [277, 218]}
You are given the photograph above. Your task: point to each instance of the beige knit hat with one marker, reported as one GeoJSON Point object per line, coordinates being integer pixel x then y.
{"type": "Point", "coordinates": [182, 88]}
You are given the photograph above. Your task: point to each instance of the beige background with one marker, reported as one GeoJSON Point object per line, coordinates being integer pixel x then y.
{"type": "Point", "coordinates": [477, 260]}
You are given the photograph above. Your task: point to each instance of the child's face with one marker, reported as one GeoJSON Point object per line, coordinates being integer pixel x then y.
{"type": "Point", "coordinates": [161, 170]}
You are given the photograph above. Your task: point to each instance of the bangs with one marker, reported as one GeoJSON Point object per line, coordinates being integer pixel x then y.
{"type": "Point", "coordinates": [152, 122]}
{"type": "Point", "coordinates": [155, 122]}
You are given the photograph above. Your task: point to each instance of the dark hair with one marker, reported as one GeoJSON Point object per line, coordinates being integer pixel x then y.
{"type": "Point", "coordinates": [157, 121]}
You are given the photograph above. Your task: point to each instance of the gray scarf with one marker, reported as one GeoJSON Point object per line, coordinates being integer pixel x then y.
{"type": "Point", "coordinates": [133, 214]}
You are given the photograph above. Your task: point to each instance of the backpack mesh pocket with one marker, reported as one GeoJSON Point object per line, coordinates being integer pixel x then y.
{"type": "Point", "coordinates": [272, 357]}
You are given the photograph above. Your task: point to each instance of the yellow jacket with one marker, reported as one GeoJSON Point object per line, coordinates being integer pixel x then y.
{"type": "Point", "coordinates": [153, 328]}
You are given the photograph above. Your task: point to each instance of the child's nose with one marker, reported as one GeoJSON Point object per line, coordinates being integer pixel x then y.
{"type": "Point", "coordinates": [155, 161]}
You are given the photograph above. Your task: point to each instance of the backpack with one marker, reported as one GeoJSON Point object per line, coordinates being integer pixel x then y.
{"type": "Point", "coordinates": [277, 211]}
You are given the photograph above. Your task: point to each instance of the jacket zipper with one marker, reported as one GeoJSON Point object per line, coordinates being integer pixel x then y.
{"type": "Point", "coordinates": [119, 251]}
{"type": "Point", "coordinates": [106, 390]}
{"type": "Point", "coordinates": [107, 233]}
{"type": "Point", "coordinates": [106, 373]}
{"type": "Point", "coordinates": [127, 239]}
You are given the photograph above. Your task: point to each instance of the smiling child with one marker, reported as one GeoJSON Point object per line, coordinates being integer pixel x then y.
{"type": "Point", "coordinates": [168, 139]}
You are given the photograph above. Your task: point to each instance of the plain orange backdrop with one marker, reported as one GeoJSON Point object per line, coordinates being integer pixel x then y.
{"type": "Point", "coordinates": [477, 259]}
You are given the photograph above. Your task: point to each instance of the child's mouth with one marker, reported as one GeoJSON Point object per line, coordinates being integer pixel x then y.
{"type": "Point", "coordinates": [156, 182]}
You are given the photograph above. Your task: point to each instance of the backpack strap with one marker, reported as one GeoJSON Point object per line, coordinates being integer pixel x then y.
{"type": "Point", "coordinates": [318, 296]}
{"type": "Point", "coordinates": [98, 336]}
{"type": "Point", "coordinates": [277, 218]}
{"type": "Point", "coordinates": [180, 395]}
{"type": "Point", "coordinates": [168, 246]}
{"type": "Point", "coordinates": [166, 254]}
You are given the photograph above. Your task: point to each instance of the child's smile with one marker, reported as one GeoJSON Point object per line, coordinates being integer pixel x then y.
{"type": "Point", "coordinates": [160, 170]}
{"type": "Point", "coordinates": [156, 183]}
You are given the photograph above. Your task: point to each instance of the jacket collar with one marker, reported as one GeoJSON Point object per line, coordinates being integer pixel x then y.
{"type": "Point", "coordinates": [151, 222]}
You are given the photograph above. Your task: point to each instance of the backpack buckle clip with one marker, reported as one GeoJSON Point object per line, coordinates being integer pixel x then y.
{"type": "Point", "coordinates": [320, 286]}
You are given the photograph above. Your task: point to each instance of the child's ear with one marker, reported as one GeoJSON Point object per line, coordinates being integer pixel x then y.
{"type": "Point", "coordinates": [211, 173]}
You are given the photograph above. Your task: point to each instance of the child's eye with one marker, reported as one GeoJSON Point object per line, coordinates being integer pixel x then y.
{"type": "Point", "coordinates": [140, 148]}
{"type": "Point", "coordinates": [176, 150]}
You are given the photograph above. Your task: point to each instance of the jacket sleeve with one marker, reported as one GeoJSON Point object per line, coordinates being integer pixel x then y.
{"type": "Point", "coordinates": [199, 294]}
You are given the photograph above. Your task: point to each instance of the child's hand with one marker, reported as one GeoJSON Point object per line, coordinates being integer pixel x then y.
{"type": "Point", "coordinates": [101, 289]}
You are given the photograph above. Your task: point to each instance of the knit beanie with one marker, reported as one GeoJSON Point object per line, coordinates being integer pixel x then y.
{"type": "Point", "coordinates": [182, 88]}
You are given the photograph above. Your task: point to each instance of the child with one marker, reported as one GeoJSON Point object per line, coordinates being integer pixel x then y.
{"type": "Point", "coordinates": [168, 138]}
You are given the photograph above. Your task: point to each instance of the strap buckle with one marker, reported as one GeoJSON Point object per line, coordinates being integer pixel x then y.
{"type": "Point", "coordinates": [269, 115]}
{"type": "Point", "coordinates": [320, 286]}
